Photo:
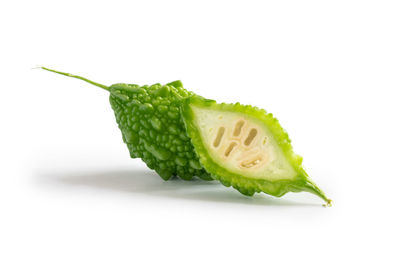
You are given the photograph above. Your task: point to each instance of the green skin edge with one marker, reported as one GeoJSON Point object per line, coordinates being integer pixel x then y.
{"type": "Point", "coordinates": [246, 186]}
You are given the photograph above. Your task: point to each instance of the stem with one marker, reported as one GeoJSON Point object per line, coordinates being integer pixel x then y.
{"type": "Point", "coordinates": [79, 77]}
{"type": "Point", "coordinates": [311, 187]}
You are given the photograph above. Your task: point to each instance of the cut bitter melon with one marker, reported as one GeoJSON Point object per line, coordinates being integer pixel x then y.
{"type": "Point", "coordinates": [245, 147]}
{"type": "Point", "coordinates": [178, 133]}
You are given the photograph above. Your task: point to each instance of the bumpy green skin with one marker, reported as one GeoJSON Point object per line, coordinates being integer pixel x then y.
{"type": "Point", "coordinates": [153, 129]}
{"type": "Point", "coordinates": [245, 185]}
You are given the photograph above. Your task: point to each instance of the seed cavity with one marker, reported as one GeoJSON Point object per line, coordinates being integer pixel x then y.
{"type": "Point", "coordinates": [238, 128]}
{"type": "Point", "coordinates": [250, 137]}
{"type": "Point", "coordinates": [230, 148]}
{"type": "Point", "coordinates": [251, 163]}
{"type": "Point", "coordinates": [219, 136]}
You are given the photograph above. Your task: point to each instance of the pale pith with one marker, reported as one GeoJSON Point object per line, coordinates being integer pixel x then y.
{"type": "Point", "coordinates": [242, 144]}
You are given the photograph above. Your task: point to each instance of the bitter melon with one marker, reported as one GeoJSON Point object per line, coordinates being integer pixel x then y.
{"type": "Point", "coordinates": [178, 133]}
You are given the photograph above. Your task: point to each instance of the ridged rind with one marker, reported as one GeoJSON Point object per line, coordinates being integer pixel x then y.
{"type": "Point", "coordinates": [153, 129]}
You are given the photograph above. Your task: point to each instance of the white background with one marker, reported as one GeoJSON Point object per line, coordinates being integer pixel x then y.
{"type": "Point", "coordinates": [71, 196]}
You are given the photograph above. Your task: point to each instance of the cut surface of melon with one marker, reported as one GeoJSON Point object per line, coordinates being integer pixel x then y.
{"type": "Point", "coordinates": [242, 144]}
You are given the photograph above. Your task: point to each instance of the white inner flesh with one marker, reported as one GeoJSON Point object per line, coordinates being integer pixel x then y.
{"type": "Point", "coordinates": [242, 144]}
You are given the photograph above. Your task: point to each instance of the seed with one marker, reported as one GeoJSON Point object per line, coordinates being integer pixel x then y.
{"type": "Point", "coordinates": [250, 137]}
{"type": "Point", "coordinates": [238, 128]}
{"type": "Point", "coordinates": [219, 136]}
{"type": "Point", "coordinates": [229, 149]}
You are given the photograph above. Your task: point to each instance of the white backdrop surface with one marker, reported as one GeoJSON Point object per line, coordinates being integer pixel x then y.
{"type": "Point", "coordinates": [71, 196]}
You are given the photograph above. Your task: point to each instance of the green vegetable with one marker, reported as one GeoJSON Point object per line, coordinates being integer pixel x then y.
{"type": "Point", "coordinates": [246, 148]}
{"type": "Point", "coordinates": [178, 133]}
{"type": "Point", "coordinates": [152, 127]}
